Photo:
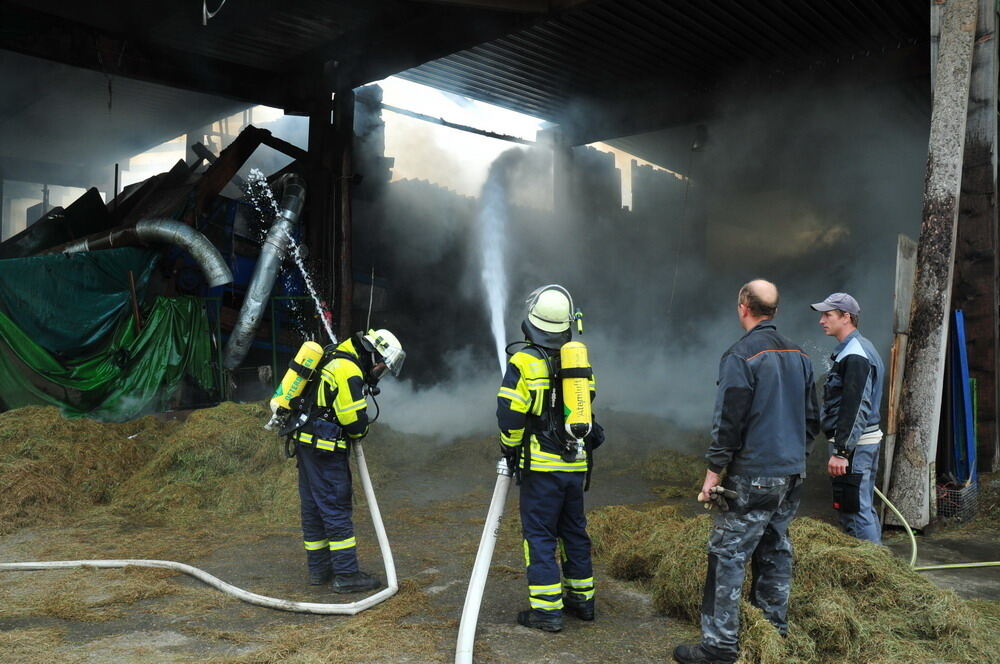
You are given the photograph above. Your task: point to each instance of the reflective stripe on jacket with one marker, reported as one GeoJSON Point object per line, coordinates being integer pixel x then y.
{"type": "Point", "coordinates": [341, 390]}
{"type": "Point", "coordinates": [524, 397]}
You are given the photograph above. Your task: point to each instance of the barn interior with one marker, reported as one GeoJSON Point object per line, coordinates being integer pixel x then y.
{"type": "Point", "coordinates": [677, 150]}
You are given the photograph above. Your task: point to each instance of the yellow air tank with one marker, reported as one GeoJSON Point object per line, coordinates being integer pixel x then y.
{"type": "Point", "coordinates": [299, 371]}
{"type": "Point", "coordinates": [576, 373]}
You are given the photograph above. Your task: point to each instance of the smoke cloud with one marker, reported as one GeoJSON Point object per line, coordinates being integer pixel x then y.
{"type": "Point", "coordinates": [808, 189]}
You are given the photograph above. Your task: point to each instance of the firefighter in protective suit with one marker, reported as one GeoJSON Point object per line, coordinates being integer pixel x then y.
{"type": "Point", "coordinates": [334, 412]}
{"type": "Point", "coordinates": [552, 474]}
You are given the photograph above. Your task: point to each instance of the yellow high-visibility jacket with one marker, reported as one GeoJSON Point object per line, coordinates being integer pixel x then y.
{"type": "Point", "coordinates": [341, 390]}
{"type": "Point", "coordinates": [523, 400]}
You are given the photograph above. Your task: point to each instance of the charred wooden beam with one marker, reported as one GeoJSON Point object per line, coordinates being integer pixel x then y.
{"type": "Point", "coordinates": [343, 124]}
{"type": "Point", "coordinates": [455, 125]}
{"type": "Point", "coordinates": [321, 198]}
{"type": "Point", "coordinates": [224, 168]}
{"type": "Point", "coordinates": [923, 374]}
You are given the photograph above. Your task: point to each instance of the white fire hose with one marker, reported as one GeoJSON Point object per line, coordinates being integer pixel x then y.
{"type": "Point", "coordinates": [348, 609]}
{"type": "Point", "coordinates": [481, 568]}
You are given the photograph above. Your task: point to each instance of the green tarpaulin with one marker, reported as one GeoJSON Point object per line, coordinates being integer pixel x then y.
{"type": "Point", "coordinates": [134, 373]}
{"type": "Point", "coordinates": [69, 304]}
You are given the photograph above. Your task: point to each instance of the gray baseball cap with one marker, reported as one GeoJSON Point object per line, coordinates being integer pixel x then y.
{"type": "Point", "coordinates": [841, 301]}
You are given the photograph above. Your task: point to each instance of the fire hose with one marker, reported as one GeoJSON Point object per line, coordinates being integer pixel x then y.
{"type": "Point", "coordinates": [913, 543]}
{"type": "Point", "coordinates": [349, 609]}
{"type": "Point", "coordinates": [481, 568]}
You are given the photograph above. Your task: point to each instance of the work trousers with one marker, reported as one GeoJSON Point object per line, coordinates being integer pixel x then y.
{"type": "Point", "coordinates": [864, 524]}
{"type": "Point", "coordinates": [754, 529]}
{"type": "Point", "coordinates": [325, 497]}
{"type": "Point", "coordinates": [553, 524]}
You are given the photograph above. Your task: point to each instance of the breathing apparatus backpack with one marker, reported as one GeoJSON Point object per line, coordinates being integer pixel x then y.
{"type": "Point", "coordinates": [568, 415]}
{"type": "Point", "coordinates": [294, 401]}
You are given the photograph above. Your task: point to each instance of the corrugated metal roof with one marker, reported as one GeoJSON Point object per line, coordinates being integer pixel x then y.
{"type": "Point", "coordinates": [602, 50]}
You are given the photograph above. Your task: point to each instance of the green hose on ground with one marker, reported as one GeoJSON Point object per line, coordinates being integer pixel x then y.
{"type": "Point", "coordinates": [913, 544]}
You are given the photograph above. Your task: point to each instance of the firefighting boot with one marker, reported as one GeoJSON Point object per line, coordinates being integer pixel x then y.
{"type": "Point", "coordinates": [547, 621]}
{"type": "Point", "coordinates": [355, 583]}
{"type": "Point", "coordinates": [320, 571]}
{"type": "Point", "coordinates": [697, 654]}
{"type": "Point", "coordinates": [575, 604]}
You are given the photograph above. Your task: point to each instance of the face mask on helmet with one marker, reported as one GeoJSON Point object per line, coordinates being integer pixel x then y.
{"type": "Point", "coordinates": [386, 351]}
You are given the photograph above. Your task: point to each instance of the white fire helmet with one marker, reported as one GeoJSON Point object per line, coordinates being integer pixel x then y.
{"type": "Point", "coordinates": [550, 308]}
{"type": "Point", "coordinates": [388, 347]}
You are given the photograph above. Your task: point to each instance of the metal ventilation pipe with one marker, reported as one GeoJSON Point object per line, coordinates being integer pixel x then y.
{"type": "Point", "coordinates": [162, 231]}
{"type": "Point", "coordinates": [272, 253]}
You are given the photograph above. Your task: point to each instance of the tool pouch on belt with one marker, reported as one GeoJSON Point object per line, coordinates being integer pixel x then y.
{"type": "Point", "coordinates": [847, 492]}
{"type": "Point", "coordinates": [325, 430]}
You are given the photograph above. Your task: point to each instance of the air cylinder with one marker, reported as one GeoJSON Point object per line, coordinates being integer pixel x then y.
{"type": "Point", "coordinates": [575, 374]}
{"type": "Point", "coordinates": [299, 371]}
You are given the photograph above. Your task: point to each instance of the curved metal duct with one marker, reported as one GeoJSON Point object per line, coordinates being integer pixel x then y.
{"type": "Point", "coordinates": [272, 253]}
{"type": "Point", "coordinates": [162, 231]}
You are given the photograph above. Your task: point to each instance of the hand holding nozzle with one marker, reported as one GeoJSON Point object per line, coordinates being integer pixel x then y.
{"type": "Point", "coordinates": [718, 497]}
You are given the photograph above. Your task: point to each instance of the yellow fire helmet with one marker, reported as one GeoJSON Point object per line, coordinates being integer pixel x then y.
{"type": "Point", "coordinates": [386, 345]}
{"type": "Point", "coordinates": [550, 308]}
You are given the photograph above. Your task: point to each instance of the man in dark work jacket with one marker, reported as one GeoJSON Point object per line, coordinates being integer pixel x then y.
{"type": "Point", "coordinates": [766, 416]}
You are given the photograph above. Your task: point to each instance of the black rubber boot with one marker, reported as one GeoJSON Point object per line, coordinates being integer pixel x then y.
{"type": "Point", "coordinates": [581, 608]}
{"type": "Point", "coordinates": [355, 583]}
{"type": "Point", "coordinates": [320, 571]}
{"type": "Point", "coordinates": [320, 578]}
{"type": "Point", "coordinates": [543, 620]}
{"type": "Point", "coordinates": [696, 654]}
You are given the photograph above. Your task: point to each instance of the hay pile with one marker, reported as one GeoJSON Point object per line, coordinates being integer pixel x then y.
{"type": "Point", "coordinates": [152, 470]}
{"type": "Point", "coordinates": [682, 473]}
{"type": "Point", "coordinates": [851, 601]}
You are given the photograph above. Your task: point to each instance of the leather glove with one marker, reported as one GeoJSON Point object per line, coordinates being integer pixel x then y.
{"type": "Point", "coordinates": [595, 438]}
{"type": "Point", "coordinates": [718, 497]}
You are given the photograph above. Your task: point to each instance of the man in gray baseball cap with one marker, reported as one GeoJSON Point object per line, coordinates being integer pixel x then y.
{"type": "Point", "coordinates": [839, 302]}
{"type": "Point", "coordinates": [850, 416]}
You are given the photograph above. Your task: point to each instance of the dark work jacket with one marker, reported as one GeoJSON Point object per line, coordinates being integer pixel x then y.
{"type": "Point", "coordinates": [766, 413]}
{"type": "Point", "coordinates": [853, 392]}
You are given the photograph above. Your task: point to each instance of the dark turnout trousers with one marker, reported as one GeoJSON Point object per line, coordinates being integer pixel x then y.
{"type": "Point", "coordinates": [554, 527]}
{"type": "Point", "coordinates": [754, 530]}
{"type": "Point", "coordinates": [325, 495]}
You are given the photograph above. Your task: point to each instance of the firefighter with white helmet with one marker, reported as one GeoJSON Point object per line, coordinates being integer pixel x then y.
{"type": "Point", "coordinates": [330, 412]}
{"type": "Point", "coordinates": [550, 441]}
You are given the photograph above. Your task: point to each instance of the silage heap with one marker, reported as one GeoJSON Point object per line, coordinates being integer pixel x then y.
{"type": "Point", "coordinates": [851, 601]}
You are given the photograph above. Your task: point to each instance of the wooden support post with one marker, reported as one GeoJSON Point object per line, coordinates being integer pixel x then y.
{"type": "Point", "coordinates": [343, 124]}
{"type": "Point", "coordinates": [975, 288]}
{"type": "Point", "coordinates": [320, 196]}
{"type": "Point", "coordinates": [906, 265]}
{"type": "Point", "coordinates": [923, 374]}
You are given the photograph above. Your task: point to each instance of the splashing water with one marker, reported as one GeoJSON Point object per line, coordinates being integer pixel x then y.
{"type": "Point", "coordinates": [261, 198]}
{"type": "Point", "coordinates": [492, 244]}
{"type": "Point", "coordinates": [321, 307]}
